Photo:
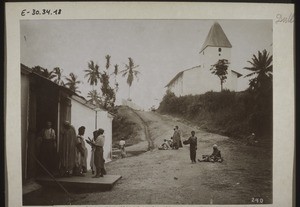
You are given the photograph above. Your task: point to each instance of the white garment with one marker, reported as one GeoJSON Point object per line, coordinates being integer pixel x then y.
{"type": "Point", "coordinates": [49, 134]}
{"type": "Point", "coordinates": [100, 140]}
{"type": "Point", "coordinates": [122, 143]}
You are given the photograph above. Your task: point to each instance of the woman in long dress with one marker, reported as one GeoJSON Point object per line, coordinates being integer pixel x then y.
{"type": "Point", "coordinates": [67, 151]}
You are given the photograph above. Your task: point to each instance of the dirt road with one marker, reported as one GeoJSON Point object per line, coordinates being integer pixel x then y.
{"type": "Point", "coordinates": [168, 177]}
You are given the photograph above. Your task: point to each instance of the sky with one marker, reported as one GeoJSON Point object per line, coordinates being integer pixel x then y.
{"type": "Point", "coordinates": [161, 48]}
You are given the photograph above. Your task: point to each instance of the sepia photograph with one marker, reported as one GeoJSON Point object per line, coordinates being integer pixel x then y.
{"type": "Point", "coordinates": [146, 111]}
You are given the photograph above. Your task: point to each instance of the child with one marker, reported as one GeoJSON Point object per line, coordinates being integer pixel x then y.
{"type": "Point", "coordinates": [192, 141]}
{"type": "Point", "coordinates": [165, 145]}
{"type": "Point", "coordinates": [122, 147]}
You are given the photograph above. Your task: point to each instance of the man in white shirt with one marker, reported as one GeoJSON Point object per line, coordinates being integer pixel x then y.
{"type": "Point", "coordinates": [48, 147]}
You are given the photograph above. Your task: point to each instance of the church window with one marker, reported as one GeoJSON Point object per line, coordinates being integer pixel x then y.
{"type": "Point", "coordinates": [220, 49]}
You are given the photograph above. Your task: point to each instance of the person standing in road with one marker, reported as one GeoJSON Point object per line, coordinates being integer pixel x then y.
{"type": "Point", "coordinates": [192, 141]}
{"type": "Point", "coordinates": [177, 138]}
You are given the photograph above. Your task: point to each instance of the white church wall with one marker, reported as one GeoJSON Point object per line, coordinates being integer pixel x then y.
{"type": "Point", "coordinates": [177, 86]}
{"type": "Point", "coordinates": [210, 81]}
{"type": "Point", "coordinates": [199, 81]}
{"type": "Point", "coordinates": [231, 81]}
{"type": "Point", "coordinates": [210, 55]}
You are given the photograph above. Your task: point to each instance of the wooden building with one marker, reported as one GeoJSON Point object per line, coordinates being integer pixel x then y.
{"type": "Point", "coordinates": [43, 100]}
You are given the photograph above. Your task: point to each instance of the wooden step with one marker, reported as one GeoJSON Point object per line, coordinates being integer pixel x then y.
{"type": "Point", "coordinates": [82, 184]}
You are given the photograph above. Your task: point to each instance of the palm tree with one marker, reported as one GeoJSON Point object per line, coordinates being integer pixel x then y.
{"type": "Point", "coordinates": [115, 73]}
{"type": "Point", "coordinates": [72, 83]}
{"type": "Point", "coordinates": [94, 97]}
{"type": "Point", "coordinates": [58, 74]}
{"type": "Point", "coordinates": [37, 69]}
{"type": "Point", "coordinates": [92, 73]}
{"type": "Point", "coordinates": [130, 73]}
{"type": "Point", "coordinates": [43, 72]}
{"type": "Point", "coordinates": [262, 69]}
{"type": "Point", "coordinates": [107, 57]}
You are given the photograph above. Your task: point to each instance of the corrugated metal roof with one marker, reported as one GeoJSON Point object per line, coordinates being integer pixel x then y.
{"type": "Point", "coordinates": [216, 37]}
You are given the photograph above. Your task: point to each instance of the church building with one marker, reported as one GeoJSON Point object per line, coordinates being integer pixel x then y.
{"type": "Point", "coordinates": [199, 79]}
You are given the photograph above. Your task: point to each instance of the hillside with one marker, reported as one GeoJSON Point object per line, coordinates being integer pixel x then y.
{"type": "Point", "coordinates": [234, 114]}
{"type": "Point", "coordinates": [128, 126]}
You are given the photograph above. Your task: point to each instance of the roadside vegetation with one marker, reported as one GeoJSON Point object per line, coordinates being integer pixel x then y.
{"type": "Point", "coordinates": [125, 126]}
{"type": "Point", "coordinates": [234, 114]}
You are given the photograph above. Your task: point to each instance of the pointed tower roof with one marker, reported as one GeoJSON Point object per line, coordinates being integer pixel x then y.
{"type": "Point", "coordinates": [216, 37]}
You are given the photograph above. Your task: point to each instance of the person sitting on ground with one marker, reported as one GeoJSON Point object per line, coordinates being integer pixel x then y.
{"type": "Point", "coordinates": [251, 139]}
{"type": "Point", "coordinates": [165, 145]}
{"type": "Point", "coordinates": [170, 142]}
{"type": "Point", "coordinates": [214, 157]}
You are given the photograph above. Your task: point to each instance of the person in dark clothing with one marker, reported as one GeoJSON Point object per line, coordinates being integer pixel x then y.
{"type": "Point", "coordinates": [177, 138]}
{"type": "Point", "coordinates": [216, 155]}
{"type": "Point", "coordinates": [48, 154]}
{"type": "Point", "coordinates": [192, 141]}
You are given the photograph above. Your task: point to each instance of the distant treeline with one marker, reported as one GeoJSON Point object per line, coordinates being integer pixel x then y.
{"type": "Point", "coordinates": [234, 114]}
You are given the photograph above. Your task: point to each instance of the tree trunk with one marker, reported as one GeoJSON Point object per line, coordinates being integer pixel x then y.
{"type": "Point", "coordinates": [129, 93]}
{"type": "Point", "coordinates": [221, 86]}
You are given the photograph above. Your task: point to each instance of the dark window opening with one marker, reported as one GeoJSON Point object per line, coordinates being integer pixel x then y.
{"type": "Point", "coordinates": [220, 49]}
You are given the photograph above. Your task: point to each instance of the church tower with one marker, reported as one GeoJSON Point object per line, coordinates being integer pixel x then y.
{"type": "Point", "coordinates": [215, 47]}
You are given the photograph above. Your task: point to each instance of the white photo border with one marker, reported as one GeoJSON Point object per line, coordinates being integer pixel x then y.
{"type": "Point", "coordinates": [283, 75]}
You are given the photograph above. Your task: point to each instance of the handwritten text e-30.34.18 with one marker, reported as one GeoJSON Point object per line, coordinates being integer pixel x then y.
{"type": "Point", "coordinates": [41, 12]}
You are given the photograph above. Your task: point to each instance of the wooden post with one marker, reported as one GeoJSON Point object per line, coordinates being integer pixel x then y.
{"type": "Point", "coordinates": [96, 120]}
{"type": "Point", "coordinates": [58, 122]}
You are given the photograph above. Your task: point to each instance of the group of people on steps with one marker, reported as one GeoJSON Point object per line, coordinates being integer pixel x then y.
{"type": "Point", "coordinates": [70, 157]}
